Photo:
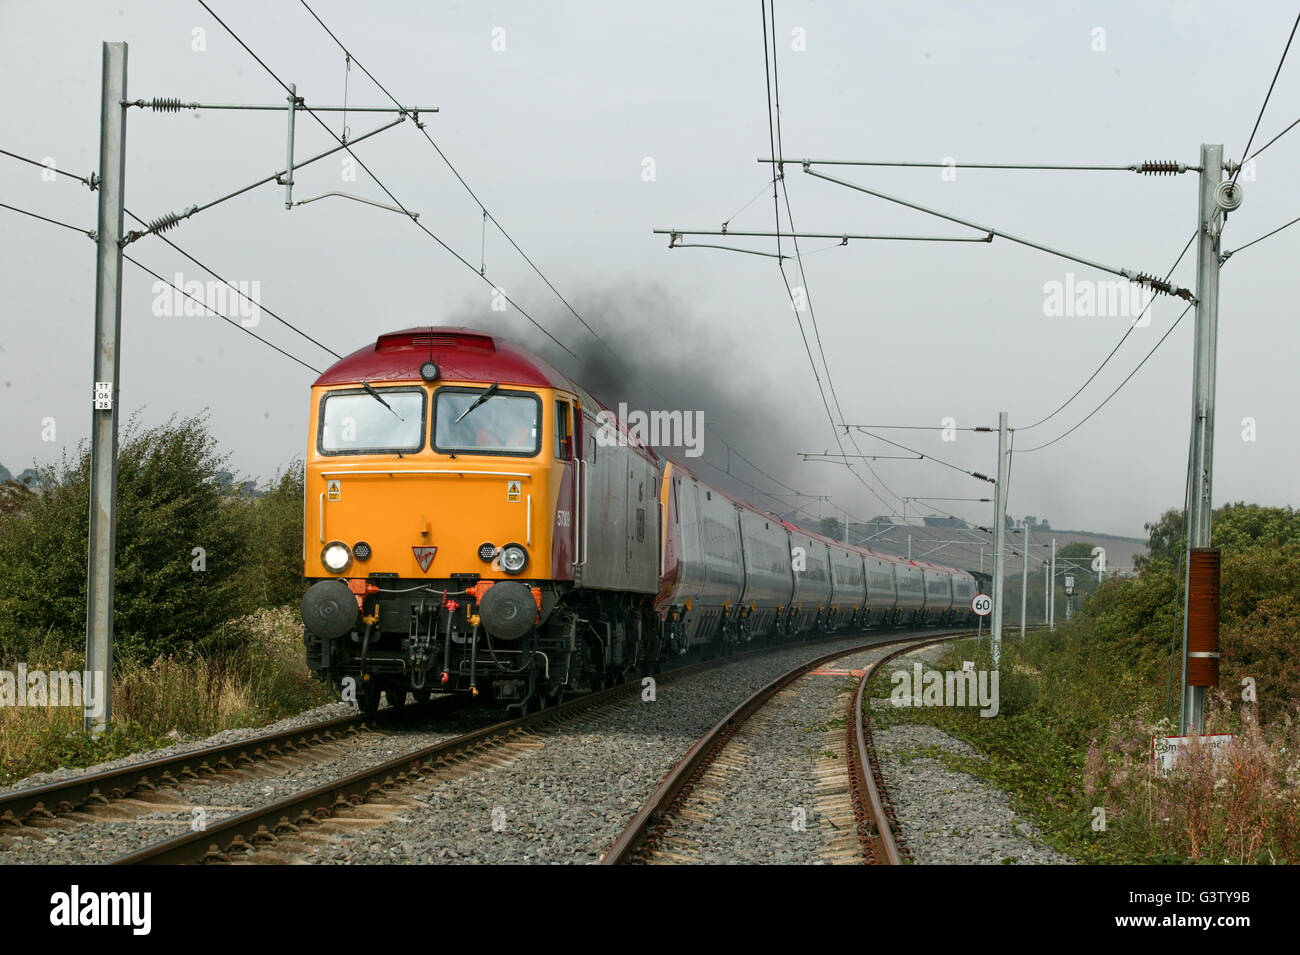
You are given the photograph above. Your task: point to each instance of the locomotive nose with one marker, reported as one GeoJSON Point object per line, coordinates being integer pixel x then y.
{"type": "Point", "coordinates": [329, 609]}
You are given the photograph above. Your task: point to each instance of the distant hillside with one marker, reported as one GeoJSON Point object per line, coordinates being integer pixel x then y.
{"type": "Point", "coordinates": [972, 549]}
{"type": "Point", "coordinates": [225, 480]}
{"type": "Point", "coordinates": [26, 477]}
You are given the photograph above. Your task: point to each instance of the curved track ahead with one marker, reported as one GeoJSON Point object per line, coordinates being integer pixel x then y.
{"type": "Point", "coordinates": [874, 816]}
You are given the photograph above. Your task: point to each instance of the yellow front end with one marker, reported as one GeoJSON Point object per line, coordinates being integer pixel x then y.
{"type": "Point", "coordinates": [425, 513]}
{"type": "Point", "coordinates": [439, 532]}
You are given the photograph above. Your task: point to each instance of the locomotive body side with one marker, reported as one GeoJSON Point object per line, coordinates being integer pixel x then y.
{"type": "Point", "coordinates": [619, 484]}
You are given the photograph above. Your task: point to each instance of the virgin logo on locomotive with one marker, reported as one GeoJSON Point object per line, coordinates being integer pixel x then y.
{"type": "Point", "coordinates": [659, 429]}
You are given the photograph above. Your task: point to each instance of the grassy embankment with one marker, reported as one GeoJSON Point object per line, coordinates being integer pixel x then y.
{"type": "Point", "coordinates": [1079, 708]}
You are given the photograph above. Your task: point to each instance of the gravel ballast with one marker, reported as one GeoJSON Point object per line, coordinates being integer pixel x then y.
{"type": "Point", "coordinates": [130, 824]}
{"type": "Point", "coordinates": [758, 804]}
{"type": "Point", "coordinates": [566, 799]}
{"type": "Point", "coordinates": [949, 817]}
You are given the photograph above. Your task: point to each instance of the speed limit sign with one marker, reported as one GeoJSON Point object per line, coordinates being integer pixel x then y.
{"type": "Point", "coordinates": [982, 604]}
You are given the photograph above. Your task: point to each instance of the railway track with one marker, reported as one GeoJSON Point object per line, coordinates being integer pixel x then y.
{"type": "Point", "coordinates": [43, 805]}
{"type": "Point", "coordinates": [269, 831]}
{"type": "Point", "coordinates": [851, 794]}
{"type": "Point", "coordinates": [282, 830]}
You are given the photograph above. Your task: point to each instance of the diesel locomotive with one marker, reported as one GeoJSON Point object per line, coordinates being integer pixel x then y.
{"type": "Point", "coordinates": [476, 522]}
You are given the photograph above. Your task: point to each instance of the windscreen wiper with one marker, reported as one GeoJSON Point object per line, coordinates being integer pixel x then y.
{"type": "Point", "coordinates": [378, 397]}
{"type": "Point", "coordinates": [491, 390]}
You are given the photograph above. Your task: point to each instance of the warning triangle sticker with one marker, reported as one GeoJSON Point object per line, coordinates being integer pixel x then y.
{"type": "Point", "coordinates": [425, 556]}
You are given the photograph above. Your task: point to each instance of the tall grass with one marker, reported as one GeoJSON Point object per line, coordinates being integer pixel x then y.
{"type": "Point", "coordinates": [1239, 804]}
{"type": "Point", "coordinates": [251, 672]}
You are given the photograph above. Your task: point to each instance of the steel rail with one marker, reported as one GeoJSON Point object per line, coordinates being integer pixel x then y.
{"type": "Point", "coordinates": [259, 826]}
{"type": "Point", "coordinates": [627, 847]}
{"type": "Point", "coordinates": [869, 803]}
{"type": "Point", "coordinates": [68, 795]}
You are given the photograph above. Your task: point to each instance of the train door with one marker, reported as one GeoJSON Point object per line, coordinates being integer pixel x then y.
{"type": "Point", "coordinates": [629, 514]}
{"type": "Point", "coordinates": [567, 446]}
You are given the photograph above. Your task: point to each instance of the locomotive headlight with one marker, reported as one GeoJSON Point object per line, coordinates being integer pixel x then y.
{"type": "Point", "coordinates": [486, 551]}
{"type": "Point", "coordinates": [336, 557]}
{"type": "Point", "coordinates": [513, 559]}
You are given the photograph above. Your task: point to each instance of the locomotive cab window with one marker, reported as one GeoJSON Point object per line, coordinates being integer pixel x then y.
{"type": "Point", "coordinates": [563, 436]}
{"type": "Point", "coordinates": [487, 421]}
{"type": "Point", "coordinates": [361, 421]}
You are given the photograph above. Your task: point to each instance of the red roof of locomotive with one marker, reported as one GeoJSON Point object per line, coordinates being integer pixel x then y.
{"type": "Point", "coordinates": [462, 354]}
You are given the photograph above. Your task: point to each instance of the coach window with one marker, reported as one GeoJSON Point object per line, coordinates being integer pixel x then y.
{"type": "Point", "coordinates": [563, 434]}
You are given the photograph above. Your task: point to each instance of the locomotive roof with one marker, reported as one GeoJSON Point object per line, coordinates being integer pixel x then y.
{"type": "Point", "coordinates": [461, 353]}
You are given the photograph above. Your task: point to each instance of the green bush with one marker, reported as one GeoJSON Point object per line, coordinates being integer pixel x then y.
{"type": "Point", "coordinates": [173, 497]}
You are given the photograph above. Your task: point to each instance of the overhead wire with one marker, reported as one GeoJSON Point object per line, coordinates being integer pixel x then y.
{"type": "Point", "coordinates": [772, 78]}
{"type": "Point", "coordinates": [233, 287]}
{"type": "Point", "coordinates": [67, 225]}
{"type": "Point", "coordinates": [1267, 95]}
{"type": "Point", "coordinates": [1123, 338]}
{"type": "Point", "coordinates": [487, 213]}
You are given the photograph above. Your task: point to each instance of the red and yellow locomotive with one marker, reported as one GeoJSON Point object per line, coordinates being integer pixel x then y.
{"type": "Point", "coordinates": [476, 521]}
{"type": "Point", "coordinates": [464, 534]}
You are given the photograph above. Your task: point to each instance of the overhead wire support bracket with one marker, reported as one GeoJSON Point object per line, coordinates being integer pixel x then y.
{"type": "Point", "coordinates": [1146, 168]}
{"type": "Point", "coordinates": [675, 236]}
{"type": "Point", "coordinates": [165, 104]}
{"type": "Point", "coordinates": [171, 220]}
{"type": "Point", "coordinates": [1140, 277]}
{"type": "Point", "coordinates": [369, 202]}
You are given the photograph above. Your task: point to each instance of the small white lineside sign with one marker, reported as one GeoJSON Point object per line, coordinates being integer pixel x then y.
{"type": "Point", "coordinates": [1166, 749]}
{"type": "Point", "coordinates": [981, 604]}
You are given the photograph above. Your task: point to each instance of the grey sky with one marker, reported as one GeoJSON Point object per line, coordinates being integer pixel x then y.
{"type": "Point", "coordinates": [552, 133]}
